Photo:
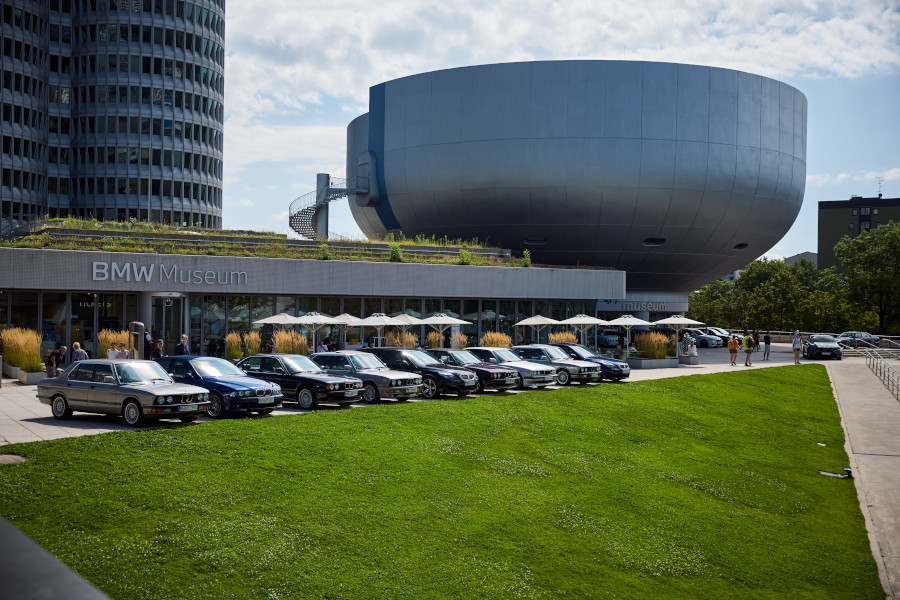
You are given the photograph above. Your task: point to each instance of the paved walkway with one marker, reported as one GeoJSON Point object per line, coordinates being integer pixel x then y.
{"type": "Point", "coordinates": [869, 413]}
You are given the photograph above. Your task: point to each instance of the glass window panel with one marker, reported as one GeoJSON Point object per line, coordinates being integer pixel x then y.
{"type": "Point", "coordinates": [370, 307]}
{"type": "Point", "coordinates": [111, 312]}
{"type": "Point", "coordinates": [470, 313]}
{"type": "Point", "coordinates": [82, 327]}
{"type": "Point", "coordinates": [506, 317]}
{"type": "Point", "coordinates": [196, 323]}
{"type": "Point", "coordinates": [431, 307]}
{"type": "Point", "coordinates": [541, 307]}
{"type": "Point", "coordinates": [393, 306]}
{"type": "Point", "coordinates": [53, 327]}
{"type": "Point", "coordinates": [285, 304]}
{"type": "Point", "coordinates": [238, 314]}
{"type": "Point", "coordinates": [214, 325]}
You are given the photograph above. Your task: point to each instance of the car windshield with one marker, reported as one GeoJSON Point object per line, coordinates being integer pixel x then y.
{"type": "Point", "coordinates": [466, 358]}
{"type": "Point", "coordinates": [503, 355]}
{"type": "Point", "coordinates": [301, 364]}
{"type": "Point", "coordinates": [133, 372]}
{"type": "Point", "coordinates": [581, 351]}
{"type": "Point", "coordinates": [215, 367]}
{"type": "Point", "coordinates": [821, 338]}
{"type": "Point", "coordinates": [556, 353]}
{"type": "Point", "coordinates": [366, 361]}
{"type": "Point", "coordinates": [420, 359]}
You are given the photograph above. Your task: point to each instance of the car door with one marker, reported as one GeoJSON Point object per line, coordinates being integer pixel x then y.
{"type": "Point", "coordinates": [103, 395]}
{"type": "Point", "coordinates": [181, 371]}
{"type": "Point", "coordinates": [77, 386]}
{"type": "Point", "coordinates": [340, 365]}
{"type": "Point", "coordinates": [272, 369]}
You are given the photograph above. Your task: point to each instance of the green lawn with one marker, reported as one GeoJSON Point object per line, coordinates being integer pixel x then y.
{"type": "Point", "coordinates": [692, 487]}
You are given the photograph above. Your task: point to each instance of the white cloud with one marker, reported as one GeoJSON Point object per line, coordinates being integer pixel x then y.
{"type": "Point", "coordinates": [889, 175]}
{"type": "Point", "coordinates": [826, 179]}
{"type": "Point", "coordinates": [244, 203]}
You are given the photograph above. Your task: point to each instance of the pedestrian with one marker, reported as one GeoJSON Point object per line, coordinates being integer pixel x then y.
{"type": "Point", "coordinates": [182, 348]}
{"type": "Point", "coordinates": [122, 353]}
{"type": "Point", "coordinates": [748, 348]}
{"type": "Point", "coordinates": [733, 349]}
{"type": "Point", "coordinates": [797, 346]}
{"type": "Point", "coordinates": [54, 360]}
{"type": "Point", "coordinates": [148, 344]}
{"type": "Point", "coordinates": [113, 351]}
{"type": "Point", "coordinates": [159, 351]}
{"type": "Point", "coordinates": [767, 345]}
{"type": "Point", "coordinates": [78, 353]}
{"type": "Point", "coordinates": [755, 340]}
{"type": "Point", "coordinates": [267, 349]}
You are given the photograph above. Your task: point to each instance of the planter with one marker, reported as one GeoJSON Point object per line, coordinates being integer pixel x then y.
{"type": "Point", "coordinates": [652, 363]}
{"type": "Point", "coordinates": [10, 371]}
{"type": "Point", "coordinates": [31, 378]}
{"type": "Point", "coordinates": [688, 360]}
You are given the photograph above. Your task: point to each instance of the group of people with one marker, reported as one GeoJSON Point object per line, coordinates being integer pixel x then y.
{"type": "Point", "coordinates": [152, 352]}
{"type": "Point", "coordinates": [749, 343]}
{"type": "Point", "coordinates": [327, 345]}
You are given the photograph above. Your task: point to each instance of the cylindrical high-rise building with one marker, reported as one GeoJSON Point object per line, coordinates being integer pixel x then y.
{"type": "Point", "coordinates": [129, 97]}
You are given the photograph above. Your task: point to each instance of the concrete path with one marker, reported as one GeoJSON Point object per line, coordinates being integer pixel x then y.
{"type": "Point", "coordinates": [869, 413]}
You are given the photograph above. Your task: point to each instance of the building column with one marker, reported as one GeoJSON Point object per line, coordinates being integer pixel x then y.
{"type": "Point", "coordinates": [145, 308]}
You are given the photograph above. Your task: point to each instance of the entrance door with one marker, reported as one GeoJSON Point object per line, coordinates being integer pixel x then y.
{"type": "Point", "coordinates": [168, 321]}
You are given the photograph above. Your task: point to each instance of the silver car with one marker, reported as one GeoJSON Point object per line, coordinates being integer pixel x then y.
{"type": "Point", "coordinates": [378, 380]}
{"type": "Point", "coordinates": [135, 389]}
{"type": "Point", "coordinates": [531, 374]}
{"type": "Point", "coordinates": [567, 369]}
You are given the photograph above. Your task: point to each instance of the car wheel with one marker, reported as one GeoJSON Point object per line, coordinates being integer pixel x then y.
{"type": "Point", "coordinates": [306, 399]}
{"type": "Point", "coordinates": [563, 377]}
{"type": "Point", "coordinates": [703, 344]}
{"type": "Point", "coordinates": [521, 385]}
{"type": "Point", "coordinates": [60, 408]}
{"type": "Point", "coordinates": [265, 411]}
{"type": "Point", "coordinates": [370, 392]}
{"type": "Point", "coordinates": [216, 407]}
{"type": "Point", "coordinates": [430, 388]}
{"type": "Point", "coordinates": [132, 413]}
{"type": "Point", "coordinates": [188, 419]}
{"type": "Point", "coordinates": [479, 387]}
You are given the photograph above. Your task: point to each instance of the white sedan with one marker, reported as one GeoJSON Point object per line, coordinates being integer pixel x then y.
{"type": "Point", "coordinates": [703, 340]}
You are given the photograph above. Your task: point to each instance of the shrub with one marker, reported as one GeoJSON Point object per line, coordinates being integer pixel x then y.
{"type": "Point", "coordinates": [109, 338]}
{"type": "Point", "coordinates": [392, 339]}
{"type": "Point", "coordinates": [495, 339]}
{"type": "Point", "coordinates": [526, 258]}
{"type": "Point", "coordinates": [459, 340]}
{"type": "Point", "coordinates": [565, 337]}
{"type": "Point", "coordinates": [465, 257]}
{"type": "Point", "coordinates": [408, 340]}
{"type": "Point", "coordinates": [433, 339]}
{"type": "Point", "coordinates": [252, 342]}
{"type": "Point", "coordinates": [396, 252]}
{"type": "Point", "coordinates": [325, 252]}
{"type": "Point", "coordinates": [654, 345]}
{"type": "Point", "coordinates": [233, 346]}
{"type": "Point", "coordinates": [22, 349]}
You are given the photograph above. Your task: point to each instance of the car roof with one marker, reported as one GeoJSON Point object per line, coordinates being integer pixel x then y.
{"type": "Point", "coordinates": [113, 361]}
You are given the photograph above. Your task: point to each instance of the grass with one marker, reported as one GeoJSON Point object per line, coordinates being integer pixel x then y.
{"type": "Point", "coordinates": [692, 487]}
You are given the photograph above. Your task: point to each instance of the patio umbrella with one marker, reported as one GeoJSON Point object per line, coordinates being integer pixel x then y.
{"type": "Point", "coordinates": [582, 323]}
{"type": "Point", "coordinates": [408, 320]}
{"type": "Point", "coordinates": [314, 321]}
{"type": "Point", "coordinates": [628, 321]}
{"type": "Point", "coordinates": [380, 321]}
{"type": "Point", "coordinates": [279, 319]}
{"type": "Point", "coordinates": [537, 323]}
{"type": "Point", "coordinates": [441, 322]}
{"type": "Point", "coordinates": [678, 321]}
{"type": "Point", "coordinates": [345, 321]}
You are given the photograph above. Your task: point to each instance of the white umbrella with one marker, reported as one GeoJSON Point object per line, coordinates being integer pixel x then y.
{"type": "Point", "coordinates": [345, 321]}
{"type": "Point", "coordinates": [678, 321]}
{"type": "Point", "coordinates": [314, 321]}
{"type": "Point", "coordinates": [628, 321]}
{"type": "Point", "coordinates": [408, 320]}
{"type": "Point", "coordinates": [537, 323]}
{"type": "Point", "coordinates": [380, 321]}
{"type": "Point", "coordinates": [441, 322]}
{"type": "Point", "coordinates": [582, 323]}
{"type": "Point", "coordinates": [279, 319]}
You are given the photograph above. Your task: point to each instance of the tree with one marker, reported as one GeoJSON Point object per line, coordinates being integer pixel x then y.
{"type": "Point", "coordinates": [871, 263]}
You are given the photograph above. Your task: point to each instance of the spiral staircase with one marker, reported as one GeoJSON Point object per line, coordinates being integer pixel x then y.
{"type": "Point", "coordinates": [308, 214]}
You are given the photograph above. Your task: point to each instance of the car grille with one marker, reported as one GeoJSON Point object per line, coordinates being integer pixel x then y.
{"type": "Point", "coordinates": [466, 376]}
{"type": "Point", "coordinates": [407, 382]}
{"type": "Point", "coordinates": [349, 386]}
{"type": "Point", "coordinates": [542, 373]}
{"type": "Point", "coordinates": [263, 392]}
{"type": "Point", "coordinates": [185, 398]}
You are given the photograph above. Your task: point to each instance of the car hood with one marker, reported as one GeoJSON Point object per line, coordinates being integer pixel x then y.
{"type": "Point", "coordinates": [525, 365]}
{"type": "Point", "coordinates": [487, 367]}
{"type": "Point", "coordinates": [442, 369]}
{"type": "Point", "coordinates": [577, 362]}
{"type": "Point", "coordinates": [160, 388]}
{"type": "Point", "coordinates": [238, 382]}
{"type": "Point", "coordinates": [389, 374]}
{"type": "Point", "coordinates": [323, 377]}
{"type": "Point", "coordinates": [833, 345]}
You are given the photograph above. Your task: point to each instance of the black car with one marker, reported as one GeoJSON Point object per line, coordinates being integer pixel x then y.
{"type": "Point", "coordinates": [822, 346]}
{"type": "Point", "coordinates": [302, 379]}
{"type": "Point", "coordinates": [490, 376]}
{"type": "Point", "coordinates": [611, 368]}
{"type": "Point", "coordinates": [230, 389]}
{"type": "Point", "coordinates": [437, 378]}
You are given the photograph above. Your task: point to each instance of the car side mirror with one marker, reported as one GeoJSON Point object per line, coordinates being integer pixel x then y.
{"type": "Point", "coordinates": [492, 360]}
{"type": "Point", "coordinates": [109, 379]}
{"type": "Point", "coordinates": [279, 371]}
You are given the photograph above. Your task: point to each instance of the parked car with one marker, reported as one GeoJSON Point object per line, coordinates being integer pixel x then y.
{"type": "Point", "coordinates": [302, 379]}
{"type": "Point", "coordinates": [437, 378]}
{"type": "Point", "coordinates": [138, 390]}
{"type": "Point", "coordinates": [822, 346]}
{"type": "Point", "coordinates": [230, 389]}
{"type": "Point", "coordinates": [858, 339]}
{"type": "Point", "coordinates": [608, 338]}
{"type": "Point", "coordinates": [610, 368]}
{"type": "Point", "coordinates": [531, 374]}
{"type": "Point", "coordinates": [378, 380]}
{"type": "Point", "coordinates": [703, 339]}
{"type": "Point", "coordinates": [490, 376]}
{"type": "Point", "coordinates": [567, 369]}
{"type": "Point", "coordinates": [720, 333]}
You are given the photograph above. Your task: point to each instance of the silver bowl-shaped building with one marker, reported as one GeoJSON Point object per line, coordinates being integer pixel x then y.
{"type": "Point", "coordinates": [676, 174]}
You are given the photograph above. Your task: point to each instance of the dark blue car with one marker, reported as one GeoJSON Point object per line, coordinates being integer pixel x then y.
{"type": "Point", "coordinates": [230, 389]}
{"type": "Point", "coordinates": [613, 369]}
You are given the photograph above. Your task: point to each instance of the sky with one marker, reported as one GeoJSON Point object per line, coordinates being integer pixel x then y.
{"type": "Point", "coordinates": [297, 72]}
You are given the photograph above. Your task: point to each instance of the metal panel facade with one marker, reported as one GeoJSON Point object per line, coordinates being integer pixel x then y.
{"type": "Point", "coordinates": [660, 169]}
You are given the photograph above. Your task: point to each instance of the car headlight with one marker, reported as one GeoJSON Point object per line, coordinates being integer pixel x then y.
{"type": "Point", "coordinates": [233, 395]}
{"type": "Point", "coordinates": [276, 389]}
{"type": "Point", "coordinates": [168, 399]}
{"type": "Point", "coordinates": [394, 382]}
{"type": "Point", "coordinates": [418, 380]}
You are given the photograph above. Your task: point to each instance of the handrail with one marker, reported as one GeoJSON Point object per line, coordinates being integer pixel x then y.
{"type": "Point", "coordinates": [888, 375]}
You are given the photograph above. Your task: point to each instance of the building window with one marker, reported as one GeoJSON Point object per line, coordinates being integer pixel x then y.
{"type": "Point", "coordinates": [854, 212]}
{"type": "Point", "coordinates": [874, 211]}
{"type": "Point", "coordinates": [865, 225]}
{"type": "Point", "coordinates": [864, 212]}
{"type": "Point", "coordinates": [851, 226]}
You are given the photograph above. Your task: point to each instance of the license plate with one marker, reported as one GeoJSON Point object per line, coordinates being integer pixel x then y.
{"type": "Point", "coordinates": [411, 390]}
{"type": "Point", "coordinates": [469, 383]}
{"type": "Point", "coordinates": [547, 378]}
{"type": "Point", "coordinates": [510, 380]}
{"type": "Point", "coordinates": [826, 351]}
{"type": "Point", "coordinates": [351, 394]}
{"type": "Point", "coordinates": [187, 407]}
{"type": "Point", "coordinates": [266, 400]}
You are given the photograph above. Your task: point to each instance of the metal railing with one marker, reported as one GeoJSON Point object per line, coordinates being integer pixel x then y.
{"type": "Point", "coordinates": [889, 376]}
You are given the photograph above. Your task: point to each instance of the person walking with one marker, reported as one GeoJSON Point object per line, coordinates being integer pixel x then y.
{"type": "Point", "coordinates": [78, 353]}
{"type": "Point", "coordinates": [733, 349]}
{"type": "Point", "coordinates": [755, 340]}
{"type": "Point", "coordinates": [767, 345]}
{"type": "Point", "coordinates": [54, 361]}
{"type": "Point", "coordinates": [182, 348]}
{"type": "Point", "coordinates": [748, 348]}
{"type": "Point", "coordinates": [797, 346]}
{"type": "Point", "coordinates": [123, 352]}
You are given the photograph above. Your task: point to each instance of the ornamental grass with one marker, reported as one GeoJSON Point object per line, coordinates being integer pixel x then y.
{"type": "Point", "coordinates": [22, 348]}
{"type": "Point", "coordinates": [433, 339]}
{"type": "Point", "coordinates": [233, 346]}
{"type": "Point", "coordinates": [564, 337]}
{"type": "Point", "coordinates": [655, 345]}
{"type": "Point", "coordinates": [252, 342]}
{"type": "Point", "coordinates": [288, 341]}
{"type": "Point", "coordinates": [109, 338]}
{"type": "Point", "coordinates": [392, 339]}
{"type": "Point", "coordinates": [459, 340]}
{"type": "Point", "coordinates": [408, 340]}
{"type": "Point", "coordinates": [494, 339]}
